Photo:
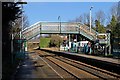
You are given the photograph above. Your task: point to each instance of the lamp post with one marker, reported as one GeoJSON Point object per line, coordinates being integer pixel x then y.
{"type": "Point", "coordinates": [59, 18]}
{"type": "Point", "coordinates": [90, 17]}
{"type": "Point", "coordinates": [22, 17]}
{"type": "Point", "coordinates": [21, 23]}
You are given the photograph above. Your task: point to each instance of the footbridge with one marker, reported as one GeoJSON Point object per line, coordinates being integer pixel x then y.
{"type": "Point", "coordinates": [58, 28]}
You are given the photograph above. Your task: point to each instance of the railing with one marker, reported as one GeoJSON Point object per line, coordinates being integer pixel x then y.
{"type": "Point", "coordinates": [56, 27]}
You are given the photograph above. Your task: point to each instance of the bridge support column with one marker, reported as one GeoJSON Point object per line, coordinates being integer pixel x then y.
{"type": "Point", "coordinates": [25, 44]}
{"type": "Point", "coordinates": [69, 37]}
{"type": "Point", "coordinates": [76, 37]}
{"type": "Point", "coordinates": [69, 42]}
{"type": "Point", "coordinates": [106, 51]}
{"type": "Point", "coordinates": [109, 49]}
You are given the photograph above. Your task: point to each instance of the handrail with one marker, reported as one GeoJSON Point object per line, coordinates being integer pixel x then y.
{"type": "Point", "coordinates": [36, 28]}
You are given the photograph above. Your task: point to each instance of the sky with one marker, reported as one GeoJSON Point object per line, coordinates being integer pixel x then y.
{"type": "Point", "coordinates": [49, 11]}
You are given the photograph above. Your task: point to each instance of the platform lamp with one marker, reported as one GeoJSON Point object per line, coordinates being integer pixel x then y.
{"type": "Point", "coordinates": [90, 16]}
{"type": "Point", "coordinates": [59, 19]}
{"type": "Point", "coordinates": [22, 17]}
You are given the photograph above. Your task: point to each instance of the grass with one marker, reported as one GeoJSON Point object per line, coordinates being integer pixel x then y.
{"type": "Point", "coordinates": [44, 42]}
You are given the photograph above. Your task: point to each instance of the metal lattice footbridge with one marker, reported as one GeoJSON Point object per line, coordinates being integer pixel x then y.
{"type": "Point", "coordinates": [58, 28]}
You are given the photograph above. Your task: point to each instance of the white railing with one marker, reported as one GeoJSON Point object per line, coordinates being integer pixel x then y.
{"type": "Point", "coordinates": [55, 26]}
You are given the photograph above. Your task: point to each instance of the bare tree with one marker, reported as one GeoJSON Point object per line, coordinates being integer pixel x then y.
{"type": "Point", "coordinates": [100, 16]}
{"type": "Point", "coordinates": [108, 18]}
{"type": "Point", "coordinates": [79, 19]}
{"type": "Point", "coordinates": [84, 18]}
{"type": "Point", "coordinates": [118, 11]}
{"type": "Point", "coordinates": [25, 21]}
{"type": "Point", "coordinates": [114, 10]}
{"type": "Point", "coordinates": [18, 25]}
{"type": "Point", "coordinates": [88, 18]}
{"type": "Point", "coordinates": [92, 21]}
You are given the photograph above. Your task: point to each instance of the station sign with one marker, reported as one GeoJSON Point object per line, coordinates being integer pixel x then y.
{"type": "Point", "coordinates": [104, 38]}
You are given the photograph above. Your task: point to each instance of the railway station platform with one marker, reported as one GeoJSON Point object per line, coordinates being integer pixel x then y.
{"type": "Point", "coordinates": [109, 64]}
{"type": "Point", "coordinates": [39, 68]}
{"type": "Point", "coordinates": [110, 60]}
{"type": "Point", "coordinates": [34, 68]}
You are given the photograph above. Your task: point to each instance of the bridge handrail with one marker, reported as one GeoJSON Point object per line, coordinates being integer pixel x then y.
{"type": "Point", "coordinates": [35, 26]}
{"type": "Point", "coordinates": [32, 26]}
{"type": "Point", "coordinates": [86, 29]}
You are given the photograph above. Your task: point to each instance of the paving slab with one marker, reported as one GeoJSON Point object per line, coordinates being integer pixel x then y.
{"type": "Point", "coordinates": [31, 69]}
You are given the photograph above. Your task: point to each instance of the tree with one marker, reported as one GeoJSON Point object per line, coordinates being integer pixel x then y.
{"type": "Point", "coordinates": [116, 30]}
{"type": "Point", "coordinates": [84, 18]}
{"type": "Point", "coordinates": [108, 18]}
{"type": "Point", "coordinates": [99, 22]}
{"type": "Point", "coordinates": [79, 19]}
{"type": "Point", "coordinates": [100, 16]}
{"type": "Point", "coordinates": [55, 41]}
{"type": "Point", "coordinates": [118, 12]}
{"type": "Point", "coordinates": [99, 28]}
{"type": "Point", "coordinates": [10, 12]}
{"type": "Point", "coordinates": [113, 24]}
{"type": "Point", "coordinates": [13, 10]}
{"type": "Point", "coordinates": [114, 10]}
{"type": "Point", "coordinates": [88, 19]}
{"type": "Point", "coordinates": [19, 25]}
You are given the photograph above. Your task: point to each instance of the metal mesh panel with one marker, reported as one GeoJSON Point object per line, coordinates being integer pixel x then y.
{"type": "Point", "coordinates": [56, 27]}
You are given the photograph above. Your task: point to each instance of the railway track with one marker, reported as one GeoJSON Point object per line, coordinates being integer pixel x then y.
{"type": "Point", "coordinates": [78, 69]}
{"type": "Point", "coordinates": [90, 69]}
{"type": "Point", "coordinates": [59, 71]}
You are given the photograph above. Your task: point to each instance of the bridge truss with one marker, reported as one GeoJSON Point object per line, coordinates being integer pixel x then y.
{"type": "Point", "coordinates": [58, 28]}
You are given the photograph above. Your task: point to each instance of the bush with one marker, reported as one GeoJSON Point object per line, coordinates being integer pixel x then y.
{"type": "Point", "coordinates": [55, 41]}
{"type": "Point", "coordinates": [44, 42]}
